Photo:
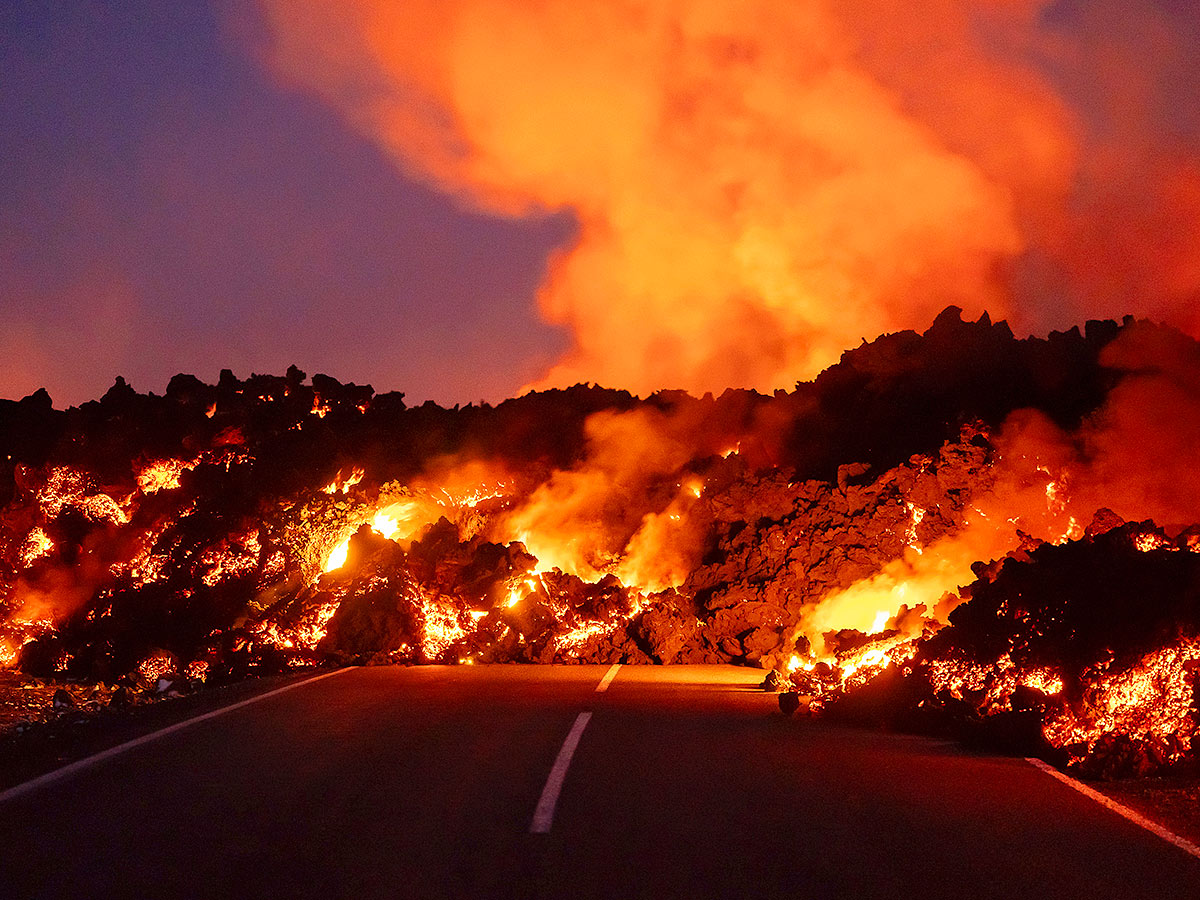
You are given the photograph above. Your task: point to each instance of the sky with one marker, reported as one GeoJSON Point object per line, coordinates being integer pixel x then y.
{"type": "Point", "coordinates": [462, 198]}
{"type": "Point", "coordinates": [167, 206]}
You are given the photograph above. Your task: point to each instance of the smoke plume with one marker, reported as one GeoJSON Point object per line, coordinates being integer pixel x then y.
{"type": "Point", "coordinates": [760, 185]}
{"type": "Point", "coordinates": [1132, 456]}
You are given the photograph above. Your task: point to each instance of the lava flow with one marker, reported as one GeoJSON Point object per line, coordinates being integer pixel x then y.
{"type": "Point", "coordinates": [954, 527]}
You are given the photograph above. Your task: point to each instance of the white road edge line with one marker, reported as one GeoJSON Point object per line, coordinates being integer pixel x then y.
{"type": "Point", "coordinates": [89, 761]}
{"type": "Point", "coordinates": [543, 816]}
{"type": "Point", "coordinates": [1136, 818]}
{"type": "Point", "coordinates": [607, 679]}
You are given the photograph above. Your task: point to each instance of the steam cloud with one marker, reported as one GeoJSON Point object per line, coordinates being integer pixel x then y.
{"type": "Point", "coordinates": [760, 185]}
{"type": "Point", "coordinates": [1131, 456]}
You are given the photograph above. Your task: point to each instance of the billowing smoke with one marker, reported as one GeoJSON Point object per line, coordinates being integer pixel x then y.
{"type": "Point", "coordinates": [1133, 457]}
{"type": "Point", "coordinates": [629, 501]}
{"type": "Point", "coordinates": [760, 185]}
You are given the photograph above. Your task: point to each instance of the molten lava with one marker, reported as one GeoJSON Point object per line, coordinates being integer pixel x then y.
{"type": "Point", "coordinates": [856, 533]}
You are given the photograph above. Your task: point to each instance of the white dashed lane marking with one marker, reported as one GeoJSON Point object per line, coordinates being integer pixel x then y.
{"type": "Point", "coordinates": [543, 816]}
{"type": "Point", "coordinates": [607, 679]}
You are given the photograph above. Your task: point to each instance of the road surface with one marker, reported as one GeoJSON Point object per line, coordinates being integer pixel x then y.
{"type": "Point", "coordinates": [686, 783]}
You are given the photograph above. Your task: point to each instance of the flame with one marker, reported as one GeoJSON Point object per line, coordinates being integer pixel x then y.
{"type": "Point", "coordinates": [1032, 493]}
{"type": "Point", "coordinates": [337, 556]}
{"type": "Point", "coordinates": [342, 483]}
{"type": "Point", "coordinates": [1073, 532]}
{"type": "Point", "coordinates": [399, 513]}
{"type": "Point", "coordinates": [402, 520]}
{"type": "Point", "coordinates": [917, 581]}
{"type": "Point", "coordinates": [823, 675]}
{"type": "Point", "coordinates": [521, 590]}
{"type": "Point", "coordinates": [386, 523]}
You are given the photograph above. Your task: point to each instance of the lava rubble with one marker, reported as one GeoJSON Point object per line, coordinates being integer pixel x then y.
{"type": "Point", "coordinates": [901, 540]}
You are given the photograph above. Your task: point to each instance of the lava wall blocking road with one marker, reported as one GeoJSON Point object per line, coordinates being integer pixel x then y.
{"type": "Point", "coordinates": [827, 532]}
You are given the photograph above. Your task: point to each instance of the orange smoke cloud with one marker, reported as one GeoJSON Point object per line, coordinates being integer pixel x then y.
{"type": "Point", "coordinates": [758, 185]}
{"type": "Point", "coordinates": [1135, 456]}
{"type": "Point", "coordinates": [625, 507]}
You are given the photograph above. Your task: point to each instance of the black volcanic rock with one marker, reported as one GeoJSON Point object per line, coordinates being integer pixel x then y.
{"type": "Point", "coordinates": [804, 493]}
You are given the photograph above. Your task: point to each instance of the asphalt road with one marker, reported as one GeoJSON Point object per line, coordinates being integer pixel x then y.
{"type": "Point", "coordinates": [686, 783]}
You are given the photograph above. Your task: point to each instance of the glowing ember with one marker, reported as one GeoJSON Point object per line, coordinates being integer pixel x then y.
{"type": "Point", "coordinates": [197, 670]}
{"type": "Point", "coordinates": [163, 475]}
{"type": "Point", "coordinates": [67, 487]}
{"type": "Point", "coordinates": [37, 544]}
{"type": "Point", "coordinates": [1151, 699]}
{"type": "Point", "coordinates": [306, 632]}
{"type": "Point", "coordinates": [156, 665]}
{"type": "Point", "coordinates": [569, 643]}
{"type": "Point", "coordinates": [441, 627]}
{"type": "Point", "coordinates": [472, 497]}
{"type": "Point", "coordinates": [145, 565]}
{"type": "Point", "coordinates": [235, 558]}
{"type": "Point", "coordinates": [910, 537]}
{"type": "Point", "coordinates": [996, 683]}
{"type": "Point", "coordinates": [1146, 543]}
